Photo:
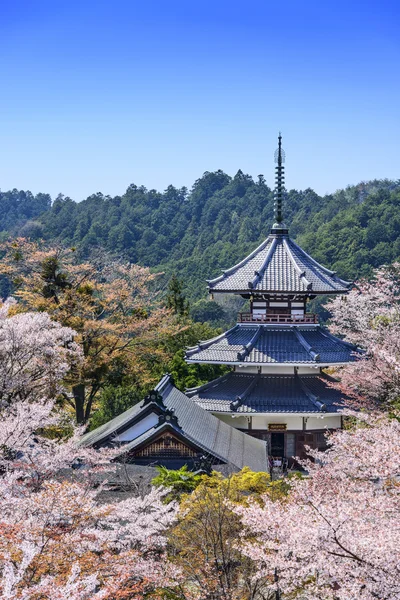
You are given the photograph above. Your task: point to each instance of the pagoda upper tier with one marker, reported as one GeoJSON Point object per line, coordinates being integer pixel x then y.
{"type": "Point", "coordinates": [278, 267]}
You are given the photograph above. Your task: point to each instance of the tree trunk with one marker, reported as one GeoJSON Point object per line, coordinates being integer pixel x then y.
{"type": "Point", "coordinates": [79, 399]}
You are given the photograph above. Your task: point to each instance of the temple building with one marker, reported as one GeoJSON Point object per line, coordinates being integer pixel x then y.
{"type": "Point", "coordinates": [277, 397]}
{"type": "Point", "coordinates": [169, 429]}
{"type": "Point", "coordinates": [277, 389]}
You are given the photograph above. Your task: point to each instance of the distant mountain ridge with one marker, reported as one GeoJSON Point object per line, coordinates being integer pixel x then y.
{"type": "Point", "coordinates": [196, 234]}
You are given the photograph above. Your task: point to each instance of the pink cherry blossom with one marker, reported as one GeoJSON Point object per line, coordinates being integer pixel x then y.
{"type": "Point", "coordinates": [59, 537]}
{"type": "Point", "coordinates": [337, 534]}
{"type": "Point", "coordinates": [35, 354]}
{"type": "Point", "coordinates": [369, 316]}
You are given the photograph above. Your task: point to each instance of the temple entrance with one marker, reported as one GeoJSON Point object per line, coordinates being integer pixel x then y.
{"type": "Point", "coordinates": [278, 444]}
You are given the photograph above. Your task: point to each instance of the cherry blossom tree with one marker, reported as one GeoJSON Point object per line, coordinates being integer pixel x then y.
{"type": "Point", "coordinates": [54, 524]}
{"type": "Point", "coordinates": [59, 536]}
{"type": "Point", "coordinates": [369, 316]}
{"type": "Point", "coordinates": [336, 536]}
{"type": "Point", "coordinates": [35, 354]}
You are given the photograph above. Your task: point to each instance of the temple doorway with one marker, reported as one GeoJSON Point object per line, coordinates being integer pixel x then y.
{"type": "Point", "coordinates": [278, 444]}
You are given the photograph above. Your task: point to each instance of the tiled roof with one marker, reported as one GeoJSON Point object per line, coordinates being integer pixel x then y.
{"type": "Point", "coordinates": [279, 265]}
{"type": "Point", "coordinates": [198, 426]}
{"type": "Point", "coordinates": [248, 393]}
{"type": "Point", "coordinates": [262, 344]}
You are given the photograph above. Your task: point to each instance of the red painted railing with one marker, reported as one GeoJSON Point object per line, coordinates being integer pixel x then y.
{"type": "Point", "coordinates": [284, 318]}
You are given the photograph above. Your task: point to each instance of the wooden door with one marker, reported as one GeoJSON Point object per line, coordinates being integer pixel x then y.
{"type": "Point", "coordinates": [304, 439]}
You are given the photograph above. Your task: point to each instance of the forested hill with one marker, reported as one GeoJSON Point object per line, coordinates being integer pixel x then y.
{"type": "Point", "coordinates": [195, 234]}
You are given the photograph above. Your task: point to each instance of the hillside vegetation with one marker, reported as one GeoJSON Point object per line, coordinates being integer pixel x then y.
{"type": "Point", "coordinates": [199, 232]}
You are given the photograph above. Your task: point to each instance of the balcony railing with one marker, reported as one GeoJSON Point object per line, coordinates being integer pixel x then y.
{"type": "Point", "coordinates": [281, 318]}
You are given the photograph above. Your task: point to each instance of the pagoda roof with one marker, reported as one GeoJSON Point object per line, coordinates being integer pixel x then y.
{"type": "Point", "coordinates": [278, 266]}
{"type": "Point", "coordinates": [189, 422]}
{"type": "Point", "coordinates": [273, 344]}
{"type": "Point", "coordinates": [249, 393]}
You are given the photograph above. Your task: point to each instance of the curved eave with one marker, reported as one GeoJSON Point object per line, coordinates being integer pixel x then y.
{"type": "Point", "coordinates": [317, 365]}
{"type": "Point", "coordinates": [346, 284]}
{"type": "Point", "coordinates": [282, 413]}
{"type": "Point", "coordinates": [204, 344]}
{"type": "Point", "coordinates": [255, 292]}
{"type": "Point", "coordinates": [301, 262]}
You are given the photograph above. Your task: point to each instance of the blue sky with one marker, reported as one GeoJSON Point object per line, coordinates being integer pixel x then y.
{"type": "Point", "coordinates": [97, 95]}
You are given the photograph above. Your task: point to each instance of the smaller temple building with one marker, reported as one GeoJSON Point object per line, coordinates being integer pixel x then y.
{"type": "Point", "coordinates": [167, 428]}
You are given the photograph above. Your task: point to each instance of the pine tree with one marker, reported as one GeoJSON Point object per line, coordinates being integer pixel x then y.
{"type": "Point", "coordinates": [176, 299]}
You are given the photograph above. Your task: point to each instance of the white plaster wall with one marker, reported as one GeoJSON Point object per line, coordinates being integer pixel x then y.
{"type": "Point", "coordinates": [238, 422]}
{"type": "Point", "coordinates": [274, 370]}
{"type": "Point", "coordinates": [246, 370]}
{"type": "Point", "coordinates": [133, 432]}
{"type": "Point", "coordinates": [292, 422]}
{"type": "Point", "coordinates": [323, 423]}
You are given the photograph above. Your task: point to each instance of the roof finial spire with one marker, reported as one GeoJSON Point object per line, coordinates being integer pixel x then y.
{"type": "Point", "coordinates": [279, 226]}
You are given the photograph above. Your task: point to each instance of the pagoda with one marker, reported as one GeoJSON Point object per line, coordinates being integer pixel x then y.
{"type": "Point", "coordinates": [277, 389]}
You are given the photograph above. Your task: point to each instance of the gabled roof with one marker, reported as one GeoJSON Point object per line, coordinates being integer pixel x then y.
{"type": "Point", "coordinates": [200, 428]}
{"type": "Point", "coordinates": [278, 265]}
{"type": "Point", "coordinates": [248, 393]}
{"type": "Point", "coordinates": [274, 344]}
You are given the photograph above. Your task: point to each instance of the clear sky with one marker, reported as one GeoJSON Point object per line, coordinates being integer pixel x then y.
{"type": "Point", "coordinates": [95, 95]}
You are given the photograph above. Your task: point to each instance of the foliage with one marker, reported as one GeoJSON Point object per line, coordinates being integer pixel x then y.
{"type": "Point", "coordinates": [204, 542]}
{"type": "Point", "coordinates": [222, 219]}
{"type": "Point", "coordinates": [334, 536]}
{"type": "Point", "coordinates": [176, 300]}
{"type": "Point", "coordinates": [190, 375]}
{"type": "Point", "coordinates": [179, 481]}
{"type": "Point", "coordinates": [21, 209]}
{"type": "Point", "coordinates": [35, 354]}
{"type": "Point", "coordinates": [110, 305]}
{"type": "Point", "coordinates": [369, 316]}
{"type": "Point", "coordinates": [208, 311]}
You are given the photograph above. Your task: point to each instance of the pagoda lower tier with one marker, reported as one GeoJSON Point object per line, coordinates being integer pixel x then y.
{"type": "Point", "coordinates": [267, 345]}
{"type": "Point", "coordinates": [287, 410]}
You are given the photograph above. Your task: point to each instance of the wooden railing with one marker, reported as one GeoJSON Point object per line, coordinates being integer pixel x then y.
{"type": "Point", "coordinates": [281, 318]}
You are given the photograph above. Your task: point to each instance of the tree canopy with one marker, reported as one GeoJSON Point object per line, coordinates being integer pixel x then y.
{"type": "Point", "coordinates": [197, 233]}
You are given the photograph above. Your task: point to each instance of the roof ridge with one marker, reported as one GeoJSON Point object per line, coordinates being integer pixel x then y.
{"type": "Point", "coordinates": [200, 388]}
{"type": "Point", "coordinates": [163, 382]}
{"type": "Point", "coordinates": [241, 263]}
{"type": "Point", "coordinates": [204, 344]}
{"type": "Point", "coordinates": [267, 260]}
{"type": "Point", "coordinates": [338, 341]}
{"type": "Point", "coordinates": [250, 345]}
{"type": "Point", "coordinates": [296, 266]}
{"type": "Point", "coordinates": [314, 355]}
{"type": "Point", "coordinates": [241, 397]}
{"type": "Point", "coordinates": [314, 399]}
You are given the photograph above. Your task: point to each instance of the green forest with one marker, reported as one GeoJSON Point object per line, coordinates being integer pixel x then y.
{"type": "Point", "coordinates": [196, 233]}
